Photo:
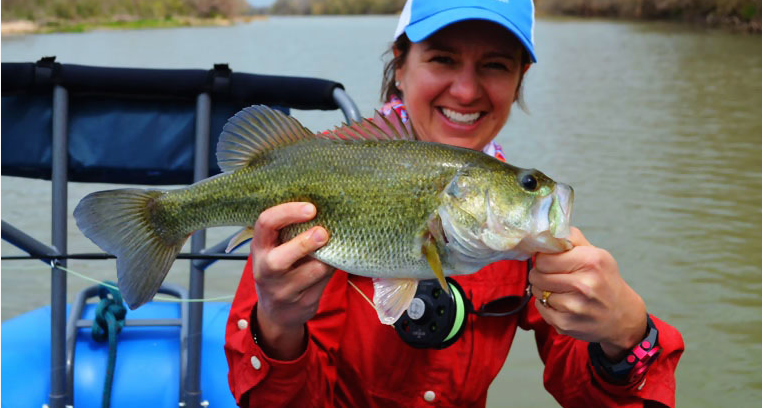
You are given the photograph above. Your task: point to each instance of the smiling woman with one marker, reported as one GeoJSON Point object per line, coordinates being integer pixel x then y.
{"type": "Point", "coordinates": [299, 334]}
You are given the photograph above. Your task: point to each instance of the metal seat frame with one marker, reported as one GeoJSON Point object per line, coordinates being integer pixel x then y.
{"type": "Point", "coordinates": [63, 333]}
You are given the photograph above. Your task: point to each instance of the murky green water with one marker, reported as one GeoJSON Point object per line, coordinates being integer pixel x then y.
{"type": "Point", "coordinates": [658, 128]}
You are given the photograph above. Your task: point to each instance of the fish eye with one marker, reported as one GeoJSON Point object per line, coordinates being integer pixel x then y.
{"type": "Point", "coordinates": [529, 182]}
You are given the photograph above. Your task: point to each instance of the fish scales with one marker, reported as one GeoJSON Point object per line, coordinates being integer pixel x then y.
{"type": "Point", "coordinates": [373, 197]}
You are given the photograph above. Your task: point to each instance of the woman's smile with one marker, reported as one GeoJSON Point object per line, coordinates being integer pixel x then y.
{"type": "Point", "coordinates": [460, 118]}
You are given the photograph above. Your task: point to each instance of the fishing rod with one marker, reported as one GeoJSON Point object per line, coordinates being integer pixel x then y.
{"type": "Point", "coordinates": [104, 256]}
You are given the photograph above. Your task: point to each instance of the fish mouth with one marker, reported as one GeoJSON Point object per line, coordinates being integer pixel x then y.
{"type": "Point", "coordinates": [559, 213]}
{"type": "Point", "coordinates": [552, 219]}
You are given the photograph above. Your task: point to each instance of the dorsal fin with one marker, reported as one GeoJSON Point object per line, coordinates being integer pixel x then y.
{"type": "Point", "coordinates": [254, 130]}
{"type": "Point", "coordinates": [382, 127]}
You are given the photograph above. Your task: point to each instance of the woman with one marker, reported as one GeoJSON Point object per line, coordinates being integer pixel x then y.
{"type": "Point", "coordinates": [300, 335]}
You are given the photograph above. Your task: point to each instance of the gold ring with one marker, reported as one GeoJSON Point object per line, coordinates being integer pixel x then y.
{"type": "Point", "coordinates": [545, 296]}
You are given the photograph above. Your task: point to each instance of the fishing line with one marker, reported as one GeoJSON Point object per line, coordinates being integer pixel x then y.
{"type": "Point", "coordinates": [102, 256]}
{"type": "Point", "coordinates": [370, 302]}
{"type": "Point", "coordinates": [56, 265]}
{"type": "Point", "coordinates": [360, 292]}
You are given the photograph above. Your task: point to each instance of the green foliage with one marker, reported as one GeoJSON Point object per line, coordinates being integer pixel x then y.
{"type": "Point", "coordinates": [44, 11]}
{"type": "Point", "coordinates": [79, 27]}
{"type": "Point", "coordinates": [749, 11]}
{"type": "Point", "coordinates": [690, 9]}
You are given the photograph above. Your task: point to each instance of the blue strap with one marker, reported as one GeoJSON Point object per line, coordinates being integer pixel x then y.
{"type": "Point", "coordinates": [108, 322]}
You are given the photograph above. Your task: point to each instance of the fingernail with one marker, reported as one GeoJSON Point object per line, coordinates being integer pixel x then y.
{"type": "Point", "coordinates": [319, 235]}
{"type": "Point", "coordinates": [308, 209]}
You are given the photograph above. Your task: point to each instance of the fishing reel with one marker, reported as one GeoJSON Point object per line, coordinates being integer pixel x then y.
{"type": "Point", "coordinates": [436, 319]}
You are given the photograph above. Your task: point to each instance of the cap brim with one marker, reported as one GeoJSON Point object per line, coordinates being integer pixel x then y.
{"type": "Point", "coordinates": [421, 30]}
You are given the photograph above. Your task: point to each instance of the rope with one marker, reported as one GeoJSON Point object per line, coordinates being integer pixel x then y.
{"type": "Point", "coordinates": [108, 322]}
{"type": "Point", "coordinates": [112, 286]}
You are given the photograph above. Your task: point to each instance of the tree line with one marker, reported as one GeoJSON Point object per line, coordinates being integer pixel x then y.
{"type": "Point", "coordinates": [47, 10]}
{"type": "Point", "coordinates": [746, 14]}
{"type": "Point", "coordinates": [743, 13]}
{"type": "Point", "coordinates": [337, 6]}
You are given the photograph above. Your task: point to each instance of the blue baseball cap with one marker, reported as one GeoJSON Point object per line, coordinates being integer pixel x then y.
{"type": "Point", "coordinates": [421, 18]}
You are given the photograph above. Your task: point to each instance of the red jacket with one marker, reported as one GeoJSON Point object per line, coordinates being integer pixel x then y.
{"type": "Point", "coordinates": [352, 360]}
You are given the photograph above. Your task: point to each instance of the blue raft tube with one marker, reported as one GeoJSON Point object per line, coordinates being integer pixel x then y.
{"type": "Point", "coordinates": [168, 354]}
{"type": "Point", "coordinates": [148, 367]}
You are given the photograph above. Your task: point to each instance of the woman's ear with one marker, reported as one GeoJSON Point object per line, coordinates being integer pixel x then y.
{"type": "Point", "coordinates": [397, 71]}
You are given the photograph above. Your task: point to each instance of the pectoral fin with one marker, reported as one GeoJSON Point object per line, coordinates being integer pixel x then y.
{"type": "Point", "coordinates": [429, 249]}
{"type": "Point", "coordinates": [392, 297]}
{"type": "Point", "coordinates": [239, 238]}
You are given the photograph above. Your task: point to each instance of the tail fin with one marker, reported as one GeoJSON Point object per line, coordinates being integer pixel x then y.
{"type": "Point", "coordinates": [118, 221]}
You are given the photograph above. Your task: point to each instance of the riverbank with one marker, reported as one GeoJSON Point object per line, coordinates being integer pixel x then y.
{"type": "Point", "coordinates": [21, 27]}
{"type": "Point", "coordinates": [736, 15]}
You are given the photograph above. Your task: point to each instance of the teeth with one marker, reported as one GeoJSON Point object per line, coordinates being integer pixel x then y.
{"type": "Point", "coordinates": [468, 118]}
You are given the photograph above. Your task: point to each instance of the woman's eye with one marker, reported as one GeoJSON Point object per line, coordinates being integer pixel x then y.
{"type": "Point", "coordinates": [497, 65]}
{"type": "Point", "coordinates": [442, 59]}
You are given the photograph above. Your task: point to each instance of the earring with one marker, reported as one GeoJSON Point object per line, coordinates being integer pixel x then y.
{"type": "Point", "coordinates": [397, 84]}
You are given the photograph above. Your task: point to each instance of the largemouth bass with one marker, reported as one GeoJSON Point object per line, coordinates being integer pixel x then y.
{"type": "Point", "coordinates": [395, 208]}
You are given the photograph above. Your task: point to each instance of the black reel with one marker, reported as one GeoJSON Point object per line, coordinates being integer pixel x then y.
{"type": "Point", "coordinates": [435, 319]}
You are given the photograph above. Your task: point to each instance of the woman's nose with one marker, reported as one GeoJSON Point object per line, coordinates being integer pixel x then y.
{"type": "Point", "coordinates": [466, 87]}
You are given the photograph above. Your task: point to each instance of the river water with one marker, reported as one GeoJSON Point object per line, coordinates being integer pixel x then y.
{"type": "Point", "coordinates": [656, 126]}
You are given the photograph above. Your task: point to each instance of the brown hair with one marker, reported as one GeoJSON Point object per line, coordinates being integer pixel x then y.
{"type": "Point", "coordinates": [388, 88]}
{"type": "Point", "coordinates": [402, 44]}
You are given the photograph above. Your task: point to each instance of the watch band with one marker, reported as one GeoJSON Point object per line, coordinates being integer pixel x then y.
{"type": "Point", "coordinates": [633, 365]}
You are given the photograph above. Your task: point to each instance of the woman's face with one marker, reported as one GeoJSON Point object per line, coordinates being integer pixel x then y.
{"type": "Point", "coordinates": [459, 84]}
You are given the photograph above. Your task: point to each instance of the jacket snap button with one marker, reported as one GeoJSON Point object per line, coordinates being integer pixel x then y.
{"type": "Point", "coordinates": [256, 363]}
{"type": "Point", "coordinates": [429, 396]}
{"type": "Point", "coordinates": [243, 324]}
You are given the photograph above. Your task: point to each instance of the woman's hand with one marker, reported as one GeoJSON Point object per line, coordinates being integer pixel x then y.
{"type": "Point", "coordinates": [289, 282]}
{"type": "Point", "coordinates": [590, 301]}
